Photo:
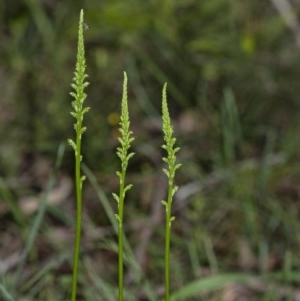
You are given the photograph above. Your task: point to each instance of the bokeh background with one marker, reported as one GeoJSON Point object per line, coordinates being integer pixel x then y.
{"type": "Point", "coordinates": [233, 74]}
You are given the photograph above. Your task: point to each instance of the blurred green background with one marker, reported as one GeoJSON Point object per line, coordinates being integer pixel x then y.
{"type": "Point", "coordinates": [233, 70]}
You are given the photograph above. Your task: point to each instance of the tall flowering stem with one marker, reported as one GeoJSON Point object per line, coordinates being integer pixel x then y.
{"type": "Point", "coordinates": [123, 153]}
{"type": "Point", "coordinates": [79, 84]}
{"type": "Point", "coordinates": [172, 166]}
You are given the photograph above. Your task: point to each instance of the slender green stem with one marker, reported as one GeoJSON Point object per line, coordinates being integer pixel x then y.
{"type": "Point", "coordinates": [120, 238]}
{"type": "Point", "coordinates": [124, 155]}
{"type": "Point", "coordinates": [79, 84]}
{"type": "Point", "coordinates": [167, 245]}
{"type": "Point", "coordinates": [170, 160]}
{"type": "Point", "coordinates": [78, 218]}
{"type": "Point", "coordinates": [121, 235]}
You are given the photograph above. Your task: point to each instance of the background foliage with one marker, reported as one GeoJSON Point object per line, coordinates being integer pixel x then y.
{"type": "Point", "coordinates": [233, 70]}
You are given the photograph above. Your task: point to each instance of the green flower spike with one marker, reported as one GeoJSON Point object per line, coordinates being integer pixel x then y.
{"type": "Point", "coordinates": [123, 153]}
{"type": "Point", "coordinates": [79, 84]}
{"type": "Point", "coordinates": [172, 166]}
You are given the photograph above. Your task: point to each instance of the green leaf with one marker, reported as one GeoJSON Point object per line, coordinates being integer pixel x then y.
{"type": "Point", "coordinates": [116, 197]}
{"type": "Point", "coordinates": [85, 110]}
{"type": "Point", "coordinates": [164, 203]}
{"type": "Point", "coordinates": [82, 130]}
{"type": "Point", "coordinates": [166, 173]}
{"type": "Point", "coordinates": [175, 188]}
{"type": "Point", "coordinates": [129, 156]}
{"type": "Point", "coordinates": [166, 160]}
{"type": "Point", "coordinates": [128, 187]}
{"type": "Point", "coordinates": [177, 166]}
{"type": "Point", "coordinates": [208, 285]}
{"type": "Point", "coordinates": [118, 218]}
{"type": "Point", "coordinates": [72, 143]}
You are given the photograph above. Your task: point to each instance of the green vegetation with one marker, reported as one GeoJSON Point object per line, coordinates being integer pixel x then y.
{"type": "Point", "coordinates": [79, 96]}
{"type": "Point", "coordinates": [232, 69]}
{"type": "Point", "coordinates": [122, 151]}
{"type": "Point", "coordinates": [170, 160]}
